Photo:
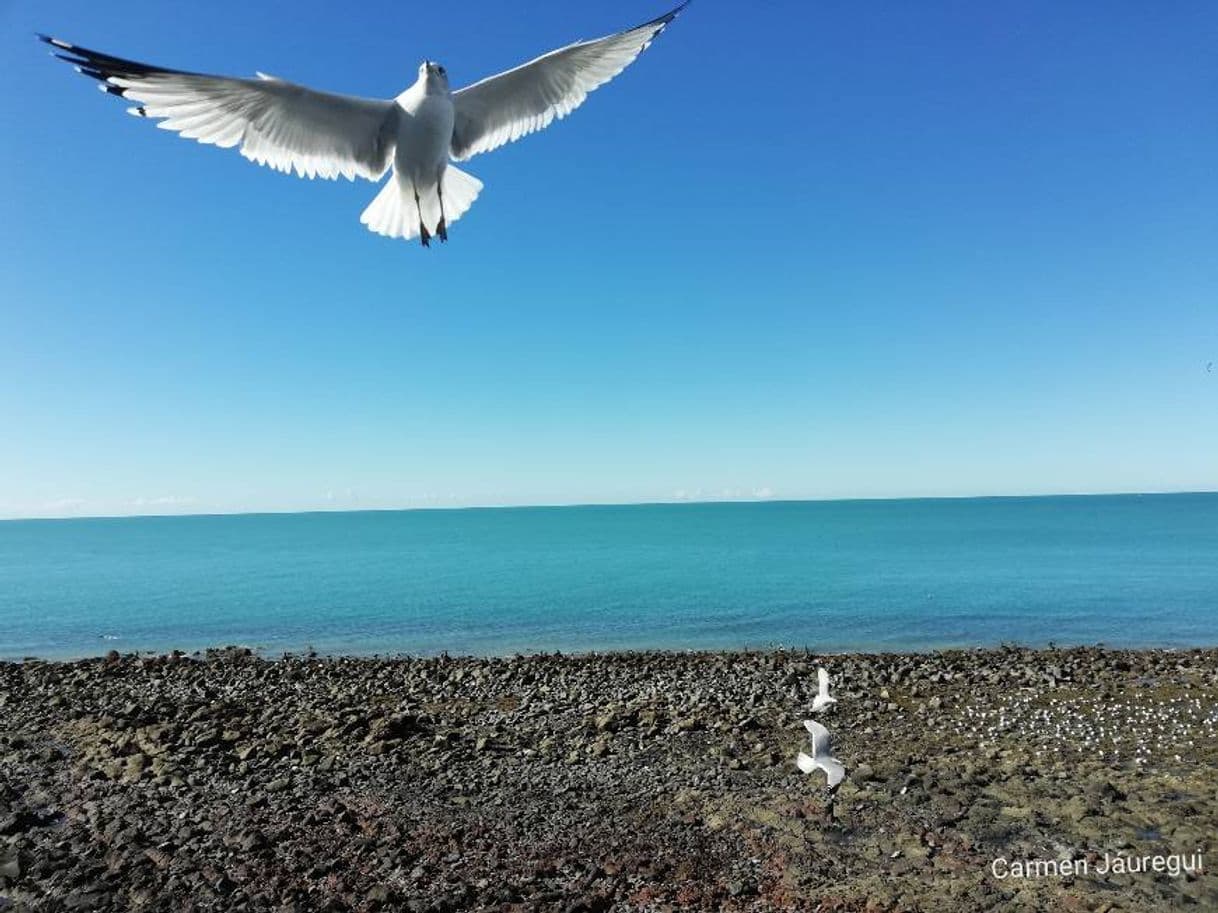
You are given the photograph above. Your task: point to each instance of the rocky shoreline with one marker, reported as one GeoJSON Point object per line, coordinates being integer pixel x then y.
{"type": "Point", "coordinates": [639, 781]}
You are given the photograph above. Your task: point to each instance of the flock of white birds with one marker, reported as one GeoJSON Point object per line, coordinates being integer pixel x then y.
{"type": "Point", "coordinates": [1104, 728]}
{"type": "Point", "coordinates": [1121, 729]}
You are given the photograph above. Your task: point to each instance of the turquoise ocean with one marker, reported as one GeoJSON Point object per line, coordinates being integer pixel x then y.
{"type": "Point", "coordinates": [1138, 570]}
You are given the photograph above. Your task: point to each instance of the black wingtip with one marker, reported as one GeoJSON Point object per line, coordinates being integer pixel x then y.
{"type": "Point", "coordinates": [107, 65]}
{"type": "Point", "coordinates": [55, 42]}
{"type": "Point", "coordinates": [75, 61]}
{"type": "Point", "coordinates": [662, 22]}
{"type": "Point", "coordinates": [675, 13]}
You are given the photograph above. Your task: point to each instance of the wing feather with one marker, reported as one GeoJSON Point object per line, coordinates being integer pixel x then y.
{"type": "Point", "coordinates": [276, 123]}
{"type": "Point", "coordinates": [503, 108]}
{"type": "Point", "coordinates": [820, 738]}
{"type": "Point", "coordinates": [834, 771]}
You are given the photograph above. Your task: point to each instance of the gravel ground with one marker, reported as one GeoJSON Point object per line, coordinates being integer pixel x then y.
{"type": "Point", "coordinates": [642, 781]}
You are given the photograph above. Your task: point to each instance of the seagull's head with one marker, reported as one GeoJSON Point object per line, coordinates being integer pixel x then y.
{"type": "Point", "coordinates": [433, 75]}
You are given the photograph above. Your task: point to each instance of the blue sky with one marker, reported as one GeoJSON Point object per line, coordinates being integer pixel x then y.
{"type": "Point", "coordinates": [799, 250]}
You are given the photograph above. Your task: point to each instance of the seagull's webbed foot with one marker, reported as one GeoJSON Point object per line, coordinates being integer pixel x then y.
{"type": "Point", "coordinates": [442, 230]}
{"type": "Point", "coordinates": [424, 235]}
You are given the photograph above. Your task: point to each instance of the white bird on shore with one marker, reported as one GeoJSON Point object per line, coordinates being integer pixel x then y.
{"type": "Point", "coordinates": [292, 128]}
{"type": "Point", "coordinates": [821, 757]}
{"type": "Point", "coordinates": [822, 699]}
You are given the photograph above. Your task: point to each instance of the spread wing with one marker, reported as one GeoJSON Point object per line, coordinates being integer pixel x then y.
{"type": "Point", "coordinates": [288, 127]}
{"type": "Point", "coordinates": [820, 738]}
{"type": "Point", "coordinates": [503, 108]}
{"type": "Point", "coordinates": [821, 754]}
{"type": "Point", "coordinates": [833, 770]}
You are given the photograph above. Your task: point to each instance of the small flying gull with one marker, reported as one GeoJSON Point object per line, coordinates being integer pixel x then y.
{"type": "Point", "coordinates": [822, 699]}
{"type": "Point", "coordinates": [820, 755]}
{"type": "Point", "coordinates": [292, 128]}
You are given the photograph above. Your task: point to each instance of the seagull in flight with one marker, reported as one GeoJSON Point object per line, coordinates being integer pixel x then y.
{"type": "Point", "coordinates": [822, 699]}
{"type": "Point", "coordinates": [292, 128]}
{"type": "Point", "coordinates": [820, 755]}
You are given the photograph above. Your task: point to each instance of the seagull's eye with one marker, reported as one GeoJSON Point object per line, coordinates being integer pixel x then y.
{"type": "Point", "coordinates": [442, 73]}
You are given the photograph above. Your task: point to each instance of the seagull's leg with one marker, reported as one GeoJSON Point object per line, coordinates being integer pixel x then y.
{"type": "Point", "coordinates": [442, 228]}
{"type": "Point", "coordinates": [424, 234]}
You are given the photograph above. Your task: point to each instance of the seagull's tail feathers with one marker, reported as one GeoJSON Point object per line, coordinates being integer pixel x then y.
{"type": "Point", "coordinates": [460, 191]}
{"type": "Point", "coordinates": [395, 214]}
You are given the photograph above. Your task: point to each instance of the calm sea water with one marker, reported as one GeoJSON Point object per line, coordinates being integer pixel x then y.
{"type": "Point", "coordinates": [1130, 570]}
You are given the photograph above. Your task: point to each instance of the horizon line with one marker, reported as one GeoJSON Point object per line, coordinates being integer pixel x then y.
{"type": "Point", "coordinates": [586, 504]}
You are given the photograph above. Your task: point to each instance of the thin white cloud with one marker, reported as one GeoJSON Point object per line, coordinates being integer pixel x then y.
{"type": "Point", "coordinates": [764, 493]}
{"type": "Point", "coordinates": [65, 504]}
{"type": "Point", "coordinates": [165, 501]}
{"type": "Point", "coordinates": [689, 494]}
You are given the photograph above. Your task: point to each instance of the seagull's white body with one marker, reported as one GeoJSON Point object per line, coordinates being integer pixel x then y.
{"type": "Point", "coordinates": [822, 699]}
{"type": "Point", "coordinates": [821, 757]}
{"type": "Point", "coordinates": [292, 128]}
{"type": "Point", "coordinates": [424, 122]}
{"type": "Point", "coordinates": [425, 129]}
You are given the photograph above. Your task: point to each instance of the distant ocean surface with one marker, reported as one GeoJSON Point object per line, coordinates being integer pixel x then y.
{"type": "Point", "coordinates": [1137, 570]}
